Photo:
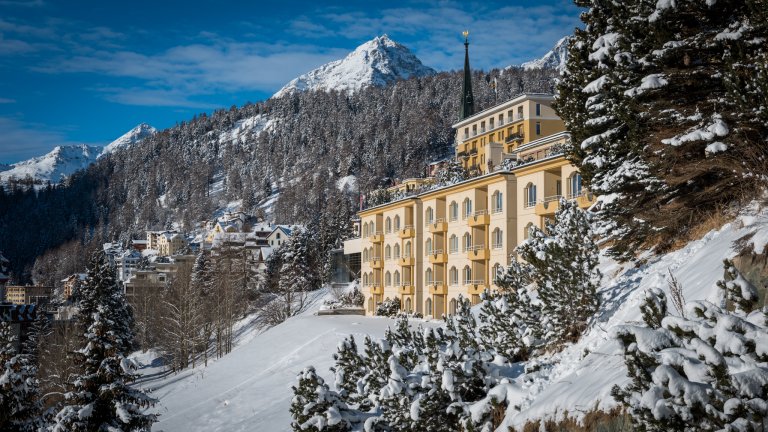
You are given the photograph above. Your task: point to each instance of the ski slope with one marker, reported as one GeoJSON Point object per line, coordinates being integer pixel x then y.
{"type": "Point", "coordinates": [250, 389]}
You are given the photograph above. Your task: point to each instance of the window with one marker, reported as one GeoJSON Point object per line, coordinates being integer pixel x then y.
{"type": "Point", "coordinates": [428, 306]}
{"type": "Point", "coordinates": [474, 130]}
{"type": "Point", "coordinates": [538, 128]}
{"type": "Point", "coordinates": [501, 119]}
{"type": "Point", "coordinates": [453, 305]}
{"type": "Point", "coordinates": [397, 251]}
{"type": "Point", "coordinates": [370, 304]}
{"type": "Point", "coordinates": [467, 208]}
{"type": "Point", "coordinates": [510, 117]}
{"type": "Point", "coordinates": [428, 276]}
{"type": "Point", "coordinates": [467, 275]}
{"type": "Point", "coordinates": [430, 215]}
{"type": "Point", "coordinates": [365, 254]}
{"type": "Point", "coordinates": [466, 133]}
{"type": "Point", "coordinates": [538, 110]}
{"type": "Point", "coordinates": [527, 231]}
{"type": "Point", "coordinates": [388, 279]}
{"type": "Point", "coordinates": [454, 211]}
{"type": "Point", "coordinates": [428, 247]}
{"type": "Point", "coordinates": [530, 195]}
{"type": "Point", "coordinates": [397, 223]}
{"type": "Point", "coordinates": [498, 236]}
{"type": "Point", "coordinates": [388, 225]}
{"type": "Point", "coordinates": [387, 253]}
{"type": "Point", "coordinates": [482, 127]}
{"type": "Point", "coordinates": [558, 188]}
{"type": "Point", "coordinates": [467, 241]}
{"type": "Point", "coordinates": [365, 279]}
{"type": "Point", "coordinates": [498, 271]}
{"type": "Point", "coordinates": [365, 230]}
{"type": "Point", "coordinates": [498, 199]}
{"type": "Point", "coordinates": [408, 305]}
{"type": "Point", "coordinates": [407, 249]}
{"type": "Point", "coordinates": [575, 185]}
{"type": "Point", "coordinates": [453, 244]}
{"type": "Point", "coordinates": [454, 276]}
{"type": "Point", "coordinates": [397, 278]}
{"type": "Point", "coordinates": [278, 236]}
{"type": "Point", "coordinates": [519, 113]}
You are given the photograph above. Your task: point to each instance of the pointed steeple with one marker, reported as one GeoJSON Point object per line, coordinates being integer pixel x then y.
{"type": "Point", "coordinates": [467, 100]}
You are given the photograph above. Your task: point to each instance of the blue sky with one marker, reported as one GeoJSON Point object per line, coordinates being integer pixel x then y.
{"type": "Point", "coordinates": [87, 71]}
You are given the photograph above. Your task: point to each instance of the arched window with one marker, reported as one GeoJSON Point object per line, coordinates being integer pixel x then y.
{"type": "Point", "coordinates": [467, 275]}
{"type": "Point", "coordinates": [428, 246]}
{"type": "Point", "coordinates": [365, 255]}
{"type": "Point", "coordinates": [452, 307]}
{"type": "Point", "coordinates": [454, 276]}
{"type": "Point", "coordinates": [527, 231]}
{"type": "Point", "coordinates": [370, 304]}
{"type": "Point", "coordinates": [365, 279]}
{"type": "Point", "coordinates": [454, 211]}
{"type": "Point", "coordinates": [467, 241]}
{"type": "Point", "coordinates": [428, 306]}
{"type": "Point", "coordinates": [574, 185]}
{"type": "Point", "coordinates": [397, 251]}
{"type": "Point", "coordinates": [498, 201]}
{"type": "Point", "coordinates": [388, 279]}
{"type": "Point", "coordinates": [365, 230]}
{"type": "Point", "coordinates": [467, 208]}
{"type": "Point", "coordinates": [497, 238]}
{"type": "Point", "coordinates": [429, 215]}
{"type": "Point", "coordinates": [453, 244]}
{"type": "Point", "coordinates": [497, 271]}
{"type": "Point", "coordinates": [530, 195]}
{"type": "Point", "coordinates": [397, 222]}
{"type": "Point", "coordinates": [408, 306]}
{"type": "Point", "coordinates": [387, 253]}
{"type": "Point", "coordinates": [428, 276]}
{"type": "Point", "coordinates": [388, 225]}
{"type": "Point", "coordinates": [397, 278]}
{"type": "Point", "coordinates": [407, 253]}
{"type": "Point", "coordinates": [371, 228]}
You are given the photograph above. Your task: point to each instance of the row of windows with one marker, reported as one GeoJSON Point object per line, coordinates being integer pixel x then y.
{"type": "Point", "coordinates": [492, 120]}
{"type": "Point", "coordinates": [466, 275]}
{"type": "Point", "coordinates": [497, 205]}
{"type": "Point", "coordinates": [574, 190]}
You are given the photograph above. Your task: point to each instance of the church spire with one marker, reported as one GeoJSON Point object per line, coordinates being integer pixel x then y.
{"type": "Point", "coordinates": [467, 100]}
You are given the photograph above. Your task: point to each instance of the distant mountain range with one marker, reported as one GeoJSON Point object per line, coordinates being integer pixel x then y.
{"type": "Point", "coordinates": [377, 62]}
{"type": "Point", "coordinates": [554, 59]}
{"type": "Point", "coordinates": [62, 161]}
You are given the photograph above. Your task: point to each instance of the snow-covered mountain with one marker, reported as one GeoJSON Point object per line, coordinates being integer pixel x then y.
{"type": "Point", "coordinates": [129, 138]}
{"type": "Point", "coordinates": [54, 166]}
{"type": "Point", "coordinates": [62, 161]}
{"type": "Point", "coordinates": [555, 58]}
{"type": "Point", "coordinates": [376, 62]}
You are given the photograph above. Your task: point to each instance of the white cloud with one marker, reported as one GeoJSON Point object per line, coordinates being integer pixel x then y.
{"type": "Point", "coordinates": [7, 100]}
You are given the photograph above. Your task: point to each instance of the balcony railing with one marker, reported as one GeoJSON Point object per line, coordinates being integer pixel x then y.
{"type": "Point", "coordinates": [475, 282]}
{"type": "Point", "coordinates": [514, 137]}
{"type": "Point", "coordinates": [481, 212]}
{"type": "Point", "coordinates": [476, 247]}
{"type": "Point", "coordinates": [472, 152]}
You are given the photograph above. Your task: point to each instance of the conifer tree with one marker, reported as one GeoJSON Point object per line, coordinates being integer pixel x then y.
{"type": "Point", "coordinates": [101, 397]}
{"type": "Point", "coordinates": [20, 406]}
{"type": "Point", "coordinates": [315, 407]}
{"type": "Point", "coordinates": [348, 370]}
{"type": "Point", "coordinates": [565, 262]}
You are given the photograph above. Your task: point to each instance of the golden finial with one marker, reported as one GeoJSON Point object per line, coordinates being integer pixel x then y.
{"type": "Point", "coordinates": [466, 35]}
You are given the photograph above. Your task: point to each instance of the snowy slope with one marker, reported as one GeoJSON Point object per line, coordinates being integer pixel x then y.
{"type": "Point", "coordinates": [250, 389]}
{"type": "Point", "coordinates": [554, 59]}
{"type": "Point", "coordinates": [129, 138]}
{"type": "Point", "coordinates": [376, 62]}
{"type": "Point", "coordinates": [54, 166]}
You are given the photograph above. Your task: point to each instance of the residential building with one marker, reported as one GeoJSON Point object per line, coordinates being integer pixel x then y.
{"type": "Point", "coordinates": [170, 242]}
{"type": "Point", "coordinates": [279, 235]}
{"type": "Point", "coordinates": [438, 244]}
{"type": "Point", "coordinates": [72, 283]}
{"type": "Point", "coordinates": [28, 294]}
{"type": "Point", "coordinates": [127, 263]}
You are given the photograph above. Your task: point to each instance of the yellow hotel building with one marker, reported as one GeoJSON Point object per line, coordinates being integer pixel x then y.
{"type": "Point", "coordinates": [431, 247]}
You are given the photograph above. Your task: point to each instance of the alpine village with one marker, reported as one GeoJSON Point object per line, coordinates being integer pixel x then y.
{"type": "Point", "coordinates": [575, 243]}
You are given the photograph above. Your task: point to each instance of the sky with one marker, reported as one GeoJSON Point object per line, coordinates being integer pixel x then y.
{"type": "Point", "coordinates": [77, 71]}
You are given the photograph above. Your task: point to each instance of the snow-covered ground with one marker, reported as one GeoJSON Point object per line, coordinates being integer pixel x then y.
{"type": "Point", "coordinates": [250, 389]}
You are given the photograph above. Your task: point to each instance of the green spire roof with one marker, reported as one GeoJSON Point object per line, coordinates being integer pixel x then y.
{"type": "Point", "coordinates": [467, 100]}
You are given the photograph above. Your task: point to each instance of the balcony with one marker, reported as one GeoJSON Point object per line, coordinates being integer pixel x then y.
{"type": "Point", "coordinates": [375, 287]}
{"type": "Point", "coordinates": [548, 206]}
{"type": "Point", "coordinates": [514, 137]}
{"type": "Point", "coordinates": [585, 199]}
{"type": "Point", "coordinates": [475, 286]}
{"type": "Point", "coordinates": [472, 152]}
{"type": "Point", "coordinates": [477, 253]}
{"type": "Point", "coordinates": [479, 218]}
{"type": "Point", "coordinates": [377, 237]}
{"type": "Point", "coordinates": [406, 232]}
{"type": "Point", "coordinates": [406, 261]}
{"type": "Point", "coordinates": [438, 226]}
{"type": "Point", "coordinates": [437, 287]}
{"type": "Point", "coordinates": [406, 289]}
{"type": "Point", "coordinates": [462, 154]}
{"type": "Point", "coordinates": [438, 256]}
{"type": "Point", "coordinates": [376, 262]}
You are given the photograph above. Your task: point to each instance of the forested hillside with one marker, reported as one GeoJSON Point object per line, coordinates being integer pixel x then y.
{"type": "Point", "coordinates": [298, 145]}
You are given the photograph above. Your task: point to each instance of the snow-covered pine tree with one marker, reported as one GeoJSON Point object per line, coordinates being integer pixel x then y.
{"type": "Point", "coordinates": [649, 85]}
{"type": "Point", "coordinates": [565, 262]}
{"type": "Point", "coordinates": [654, 308]}
{"type": "Point", "coordinates": [376, 360]}
{"type": "Point", "coordinates": [453, 172]}
{"type": "Point", "coordinates": [348, 370]}
{"type": "Point", "coordinates": [704, 372]}
{"type": "Point", "coordinates": [315, 407]}
{"type": "Point", "coordinates": [100, 396]}
{"type": "Point", "coordinates": [20, 406]}
{"type": "Point", "coordinates": [737, 290]}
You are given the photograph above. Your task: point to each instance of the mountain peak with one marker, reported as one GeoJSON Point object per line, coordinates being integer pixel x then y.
{"type": "Point", "coordinates": [554, 59]}
{"type": "Point", "coordinates": [379, 61]}
{"type": "Point", "coordinates": [55, 165]}
{"type": "Point", "coordinates": [131, 137]}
